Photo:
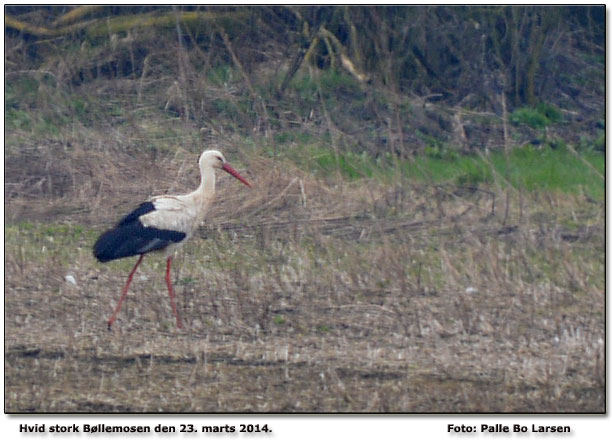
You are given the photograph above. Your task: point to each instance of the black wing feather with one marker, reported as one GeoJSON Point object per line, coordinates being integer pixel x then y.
{"type": "Point", "coordinates": [133, 216]}
{"type": "Point", "coordinates": [129, 237]}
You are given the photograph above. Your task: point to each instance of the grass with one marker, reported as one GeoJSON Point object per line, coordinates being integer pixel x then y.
{"type": "Point", "coordinates": [372, 267]}
{"type": "Point", "coordinates": [329, 82]}
{"type": "Point", "coordinates": [341, 282]}
{"type": "Point", "coordinates": [350, 165]}
{"type": "Point", "coordinates": [548, 169]}
{"type": "Point", "coordinates": [538, 117]}
{"type": "Point", "coordinates": [365, 309]}
{"type": "Point", "coordinates": [351, 313]}
{"type": "Point", "coordinates": [526, 168]}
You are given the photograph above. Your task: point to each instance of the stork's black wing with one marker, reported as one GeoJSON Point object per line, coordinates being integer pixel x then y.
{"type": "Point", "coordinates": [129, 237]}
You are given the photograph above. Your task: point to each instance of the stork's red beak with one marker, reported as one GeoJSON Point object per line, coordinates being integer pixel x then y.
{"type": "Point", "coordinates": [229, 169]}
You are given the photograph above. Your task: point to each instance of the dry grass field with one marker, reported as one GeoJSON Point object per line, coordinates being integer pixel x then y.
{"type": "Point", "coordinates": [306, 295]}
{"type": "Point", "coordinates": [425, 232]}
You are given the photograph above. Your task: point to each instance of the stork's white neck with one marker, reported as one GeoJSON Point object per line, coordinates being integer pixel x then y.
{"type": "Point", "coordinates": [203, 195]}
{"type": "Point", "coordinates": [207, 182]}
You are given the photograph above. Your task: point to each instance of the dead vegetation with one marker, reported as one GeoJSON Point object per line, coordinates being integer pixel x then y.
{"type": "Point", "coordinates": [309, 297]}
{"type": "Point", "coordinates": [310, 292]}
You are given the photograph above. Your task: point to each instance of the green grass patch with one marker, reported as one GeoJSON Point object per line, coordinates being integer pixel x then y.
{"type": "Point", "coordinates": [552, 167]}
{"type": "Point", "coordinates": [350, 165]}
{"type": "Point", "coordinates": [65, 234]}
{"type": "Point", "coordinates": [49, 244]}
{"type": "Point", "coordinates": [330, 82]}
{"type": "Point", "coordinates": [526, 168]}
{"type": "Point", "coordinates": [537, 117]}
{"type": "Point", "coordinates": [455, 169]}
{"type": "Point", "coordinates": [547, 169]}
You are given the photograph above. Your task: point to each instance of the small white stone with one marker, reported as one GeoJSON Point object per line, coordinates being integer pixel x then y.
{"type": "Point", "coordinates": [70, 279]}
{"type": "Point", "coordinates": [471, 290]}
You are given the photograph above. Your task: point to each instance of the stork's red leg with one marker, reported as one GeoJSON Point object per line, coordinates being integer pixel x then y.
{"type": "Point", "coordinates": [179, 324]}
{"type": "Point", "coordinates": [124, 293]}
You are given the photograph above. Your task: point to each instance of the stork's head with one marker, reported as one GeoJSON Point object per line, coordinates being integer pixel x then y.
{"type": "Point", "coordinates": [215, 159]}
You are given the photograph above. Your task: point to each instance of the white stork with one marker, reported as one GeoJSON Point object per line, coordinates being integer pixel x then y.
{"type": "Point", "coordinates": [162, 224]}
